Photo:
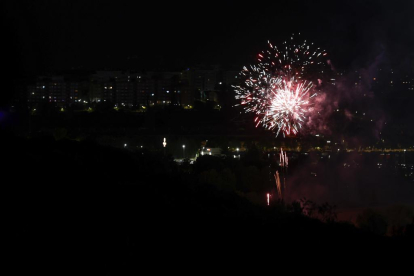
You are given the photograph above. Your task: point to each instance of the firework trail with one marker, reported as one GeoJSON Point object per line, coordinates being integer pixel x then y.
{"type": "Point", "coordinates": [279, 88]}
{"type": "Point", "coordinates": [278, 185]}
{"type": "Point", "coordinates": [283, 159]}
{"type": "Point", "coordinates": [283, 162]}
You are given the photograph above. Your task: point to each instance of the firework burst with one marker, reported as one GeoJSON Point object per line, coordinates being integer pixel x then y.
{"type": "Point", "coordinates": [279, 88]}
{"type": "Point", "coordinates": [288, 106]}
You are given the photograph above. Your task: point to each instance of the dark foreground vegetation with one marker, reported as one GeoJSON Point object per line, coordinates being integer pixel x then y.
{"type": "Point", "coordinates": [80, 206]}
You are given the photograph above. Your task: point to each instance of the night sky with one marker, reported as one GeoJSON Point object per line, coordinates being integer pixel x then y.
{"type": "Point", "coordinates": [61, 35]}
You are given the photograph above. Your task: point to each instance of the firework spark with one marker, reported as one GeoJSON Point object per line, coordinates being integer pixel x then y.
{"type": "Point", "coordinates": [276, 90]}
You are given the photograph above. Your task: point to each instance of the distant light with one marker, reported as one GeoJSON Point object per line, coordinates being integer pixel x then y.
{"type": "Point", "coordinates": [237, 149]}
{"type": "Point", "coordinates": [328, 142]}
{"type": "Point", "coordinates": [183, 146]}
{"type": "Point", "coordinates": [125, 145]}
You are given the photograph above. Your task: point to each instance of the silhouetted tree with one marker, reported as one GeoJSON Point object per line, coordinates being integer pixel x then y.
{"type": "Point", "coordinates": [372, 221]}
{"type": "Point", "coordinates": [327, 212]}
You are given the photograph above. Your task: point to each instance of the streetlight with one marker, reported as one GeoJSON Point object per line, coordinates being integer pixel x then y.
{"type": "Point", "coordinates": [183, 151]}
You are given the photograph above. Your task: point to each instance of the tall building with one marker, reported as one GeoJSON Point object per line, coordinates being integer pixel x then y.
{"type": "Point", "coordinates": [54, 89]}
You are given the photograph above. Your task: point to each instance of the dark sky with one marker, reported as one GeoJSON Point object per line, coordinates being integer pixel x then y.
{"type": "Point", "coordinates": [54, 35]}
